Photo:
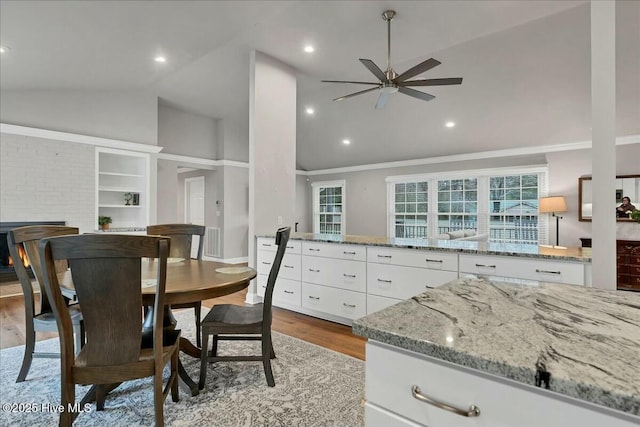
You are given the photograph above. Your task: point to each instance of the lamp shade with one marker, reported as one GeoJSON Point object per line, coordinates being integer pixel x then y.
{"type": "Point", "coordinates": [552, 204]}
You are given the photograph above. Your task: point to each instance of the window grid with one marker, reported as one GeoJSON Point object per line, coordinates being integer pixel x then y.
{"type": "Point", "coordinates": [457, 204]}
{"type": "Point", "coordinates": [513, 204]}
{"type": "Point", "coordinates": [411, 206]}
{"type": "Point", "coordinates": [330, 210]}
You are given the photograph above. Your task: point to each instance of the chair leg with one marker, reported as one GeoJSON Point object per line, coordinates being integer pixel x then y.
{"type": "Point", "coordinates": [67, 401]}
{"type": "Point", "coordinates": [214, 346]}
{"type": "Point", "coordinates": [158, 398]}
{"type": "Point", "coordinates": [203, 359]}
{"type": "Point", "coordinates": [273, 353]}
{"type": "Point", "coordinates": [197, 309]}
{"type": "Point", "coordinates": [175, 394]}
{"type": "Point", "coordinates": [29, 348]}
{"type": "Point", "coordinates": [266, 359]}
{"type": "Point", "coordinates": [101, 396]}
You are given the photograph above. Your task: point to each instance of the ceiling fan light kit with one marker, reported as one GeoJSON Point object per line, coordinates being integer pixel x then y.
{"type": "Point", "coordinates": [390, 82]}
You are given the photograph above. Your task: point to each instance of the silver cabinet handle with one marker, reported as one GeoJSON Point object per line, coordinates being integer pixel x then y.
{"type": "Point", "coordinates": [384, 281]}
{"type": "Point", "coordinates": [314, 271]}
{"type": "Point", "coordinates": [487, 266]}
{"type": "Point", "coordinates": [288, 266]}
{"type": "Point", "coordinates": [349, 305]}
{"type": "Point", "coordinates": [289, 247]}
{"type": "Point", "coordinates": [384, 256]}
{"type": "Point", "coordinates": [433, 260]}
{"type": "Point", "coordinates": [267, 263]}
{"type": "Point", "coordinates": [348, 253]}
{"type": "Point", "coordinates": [353, 276]}
{"type": "Point", "coordinates": [312, 297]}
{"type": "Point", "coordinates": [288, 292]}
{"type": "Point", "coordinates": [267, 245]}
{"type": "Point", "coordinates": [473, 410]}
{"type": "Point", "coordinates": [314, 249]}
{"type": "Point", "coordinates": [547, 271]}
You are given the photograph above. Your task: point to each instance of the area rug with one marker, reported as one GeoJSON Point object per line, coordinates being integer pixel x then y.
{"type": "Point", "coordinates": [314, 387]}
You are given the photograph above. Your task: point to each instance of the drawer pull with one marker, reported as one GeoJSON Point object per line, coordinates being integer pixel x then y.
{"type": "Point", "coordinates": [314, 271]}
{"type": "Point", "coordinates": [288, 266]}
{"type": "Point", "coordinates": [314, 250]}
{"type": "Point", "coordinates": [349, 253]}
{"type": "Point", "coordinates": [349, 305]}
{"type": "Point", "coordinates": [267, 263]}
{"type": "Point", "coordinates": [352, 276]}
{"type": "Point", "coordinates": [487, 266]}
{"type": "Point", "coordinates": [384, 256]}
{"type": "Point", "coordinates": [265, 287]}
{"type": "Point", "coordinates": [289, 247]}
{"type": "Point", "coordinates": [267, 245]}
{"type": "Point", "coordinates": [547, 271]}
{"type": "Point", "coordinates": [434, 260]}
{"type": "Point", "coordinates": [473, 410]}
{"type": "Point", "coordinates": [384, 281]}
{"type": "Point", "coordinates": [312, 297]}
{"type": "Point", "coordinates": [288, 292]}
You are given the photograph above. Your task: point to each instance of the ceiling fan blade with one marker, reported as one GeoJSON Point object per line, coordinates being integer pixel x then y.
{"type": "Point", "coordinates": [356, 93]}
{"type": "Point", "coordinates": [416, 93]}
{"type": "Point", "coordinates": [433, 82]}
{"type": "Point", "coordinates": [371, 66]}
{"type": "Point", "coordinates": [382, 100]}
{"type": "Point", "coordinates": [418, 69]}
{"type": "Point", "coordinates": [355, 83]}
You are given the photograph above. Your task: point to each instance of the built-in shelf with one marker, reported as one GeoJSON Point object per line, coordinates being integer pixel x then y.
{"type": "Point", "coordinates": [120, 206]}
{"type": "Point", "coordinates": [119, 189]}
{"type": "Point", "coordinates": [122, 174]}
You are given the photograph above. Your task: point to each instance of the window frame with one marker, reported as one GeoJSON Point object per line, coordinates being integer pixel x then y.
{"type": "Point", "coordinates": [316, 187]}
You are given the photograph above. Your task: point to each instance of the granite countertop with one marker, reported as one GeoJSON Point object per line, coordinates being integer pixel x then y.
{"type": "Point", "coordinates": [122, 229]}
{"type": "Point", "coordinates": [587, 339]}
{"type": "Point", "coordinates": [460, 246]}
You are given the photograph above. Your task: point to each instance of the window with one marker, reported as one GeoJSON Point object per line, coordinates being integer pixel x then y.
{"type": "Point", "coordinates": [411, 203]}
{"type": "Point", "coordinates": [457, 204]}
{"type": "Point", "coordinates": [513, 205]}
{"type": "Point", "coordinates": [501, 204]}
{"type": "Point", "coordinates": [328, 207]}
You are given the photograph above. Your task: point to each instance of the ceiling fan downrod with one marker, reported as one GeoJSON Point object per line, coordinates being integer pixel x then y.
{"type": "Point", "coordinates": [388, 15]}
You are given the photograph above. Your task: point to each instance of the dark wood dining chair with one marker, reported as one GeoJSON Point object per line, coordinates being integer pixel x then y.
{"type": "Point", "coordinates": [234, 322]}
{"type": "Point", "coordinates": [27, 239]}
{"type": "Point", "coordinates": [106, 274]}
{"type": "Point", "coordinates": [181, 239]}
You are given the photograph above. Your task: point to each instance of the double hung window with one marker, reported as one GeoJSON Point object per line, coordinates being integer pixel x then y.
{"type": "Point", "coordinates": [328, 207]}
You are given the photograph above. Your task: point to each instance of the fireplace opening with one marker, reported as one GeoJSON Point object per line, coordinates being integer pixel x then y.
{"type": "Point", "coordinates": [7, 272]}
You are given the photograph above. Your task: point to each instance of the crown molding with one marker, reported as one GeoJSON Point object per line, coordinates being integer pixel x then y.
{"type": "Point", "coordinates": [202, 161]}
{"type": "Point", "coordinates": [510, 152]}
{"type": "Point", "coordinates": [80, 139]}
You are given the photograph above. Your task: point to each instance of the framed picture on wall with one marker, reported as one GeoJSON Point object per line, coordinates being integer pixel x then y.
{"type": "Point", "coordinates": [136, 199]}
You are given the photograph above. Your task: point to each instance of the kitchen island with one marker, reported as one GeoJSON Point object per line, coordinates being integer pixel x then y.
{"type": "Point", "coordinates": [505, 354]}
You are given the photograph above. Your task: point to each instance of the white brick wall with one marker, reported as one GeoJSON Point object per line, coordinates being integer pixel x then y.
{"type": "Point", "coordinates": [45, 180]}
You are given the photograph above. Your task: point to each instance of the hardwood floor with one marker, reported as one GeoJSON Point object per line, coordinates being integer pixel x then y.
{"type": "Point", "coordinates": [320, 332]}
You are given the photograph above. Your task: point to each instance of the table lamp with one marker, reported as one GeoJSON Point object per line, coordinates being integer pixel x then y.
{"type": "Point", "coordinates": [553, 205]}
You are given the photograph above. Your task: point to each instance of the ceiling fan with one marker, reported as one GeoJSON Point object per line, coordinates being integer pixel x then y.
{"type": "Point", "coordinates": [390, 82]}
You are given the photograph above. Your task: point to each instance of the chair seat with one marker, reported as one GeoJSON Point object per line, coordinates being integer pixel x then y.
{"type": "Point", "coordinates": [50, 318]}
{"type": "Point", "coordinates": [229, 314]}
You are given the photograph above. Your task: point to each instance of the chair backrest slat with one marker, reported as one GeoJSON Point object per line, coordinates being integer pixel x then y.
{"type": "Point", "coordinates": [282, 237]}
{"type": "Point", "coordinates": [106, 273]}
{"type": "Point", "coordinates": [181, 238]}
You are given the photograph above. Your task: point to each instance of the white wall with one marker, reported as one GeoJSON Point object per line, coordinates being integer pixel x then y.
{"type": "Point", "coordinates": [187, 134]}
{"type": "Point", "coordinates": [45, 180]}
{"type": "Point", "coordinates": [124, 116]}
{"type": "Point", "coordinates": [235, 208]}
{"type": "Point", "coordinates": [233, 140]}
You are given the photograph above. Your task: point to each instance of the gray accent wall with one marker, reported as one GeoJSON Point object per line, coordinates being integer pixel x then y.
{"type": "Point", "coordinates": [124, 116]}
{"type": "Point", "coordinates": [187, 134]}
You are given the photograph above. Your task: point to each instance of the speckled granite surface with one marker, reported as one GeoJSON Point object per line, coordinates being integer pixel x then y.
{"type": "Point", "coordinates": [588, 340]}
{"type": "Point", "coordinates": [461, 246]}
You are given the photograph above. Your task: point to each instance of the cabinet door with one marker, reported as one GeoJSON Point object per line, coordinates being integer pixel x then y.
{"type": "Point", "coordinates": [413, 258]}
{"type": "Point", "coordinates": [334, 272]}
{"type": "Point", "coordinates": [394, 281]}
{"type": "Point", "coordinates": [285, 292]}
{"type": "Point", "coordinates": [335, 250]}
{"type": "Point", "coordinates": [289, 268]}
{"type": "Point", "coordinates": [339, 302]}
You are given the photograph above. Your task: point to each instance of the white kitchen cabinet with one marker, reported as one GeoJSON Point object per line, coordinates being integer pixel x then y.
{"type": "Point", "coordinates": [335, 250]}
{"type": "Point", "coordinates": [287, 292]}
{"type": "Point", "coordinates": [391, 374]}
{"type": "Point", "coordinates": [337, 302]}
{"type": "Point", "coordinates": [547, 270]}
{"type": "Point", "coordinates": [120, 172]}
{"type": "Point", "coordinates": [338, 273]}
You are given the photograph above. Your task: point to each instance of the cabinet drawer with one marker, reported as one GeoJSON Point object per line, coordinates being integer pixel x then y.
{"type": "Point", "coordinates": [289, 268]}
{"type": "Point", "coordinates": [286, 291]}
{"type": "Point", "coordinates": [375, 416]}
{"type": "Point", "coordinates": [390, 375]}
{"type": "Point", "coordinates": [400, 282]}
{"type": "Point", "coordinates": [413, 258]}
{"type": "Point", "coordinates": [335, 250]}
{"type": "Point", "coordinates": [269, 244]}
{"type": "Point", "coordinates": [546, 271]}
{"type": "Point", "coordinates": [338, 302]}
{"type": "Point", "coordinates": [377, 303]}
{"type": "Point", "coordinates": [333, 272]}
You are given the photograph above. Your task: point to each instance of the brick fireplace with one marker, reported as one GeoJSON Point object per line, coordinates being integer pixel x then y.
{"type": "Point", "coordinates": [7, 273]}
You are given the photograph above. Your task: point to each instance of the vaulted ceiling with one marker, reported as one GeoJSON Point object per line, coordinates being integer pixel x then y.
{"type": "Point", "coordinates": [526, 66]}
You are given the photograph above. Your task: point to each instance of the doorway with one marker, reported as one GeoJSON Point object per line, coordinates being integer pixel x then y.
{"type": "Point", "coordinates": [194, 205]}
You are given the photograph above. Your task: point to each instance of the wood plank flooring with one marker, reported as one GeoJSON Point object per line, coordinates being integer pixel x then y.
{"type": "Point", "coordinates": [327, 334]}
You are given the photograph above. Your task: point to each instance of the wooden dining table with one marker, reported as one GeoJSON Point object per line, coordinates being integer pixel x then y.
{"type": "Point", "coordinates": [188, 281]}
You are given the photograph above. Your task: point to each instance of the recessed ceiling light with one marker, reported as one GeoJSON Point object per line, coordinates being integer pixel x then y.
{"type": "Point", "coordinates": [160, 59]}
{"type": "Point", "coordinates": [4, 49]}
{"type": "Point", "coordinates": [310, 111]}
{"type": "Point", "coordinates": [450, 124]}
{"type": "Point", "coordinates": [346, 141]}
{"type": "Point", "coordinates": [308, 48]}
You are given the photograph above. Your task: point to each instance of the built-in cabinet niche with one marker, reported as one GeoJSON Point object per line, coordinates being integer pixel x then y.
{"type": "Point", "coordinates": [122, 190]}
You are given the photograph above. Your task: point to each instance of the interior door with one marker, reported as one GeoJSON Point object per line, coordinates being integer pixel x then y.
{"type": "Point", "coordinates": [194, 206]}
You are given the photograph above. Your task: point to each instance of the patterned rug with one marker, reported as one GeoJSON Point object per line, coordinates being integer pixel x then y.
{"type": "Point", "coordinates": [314, 387]}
